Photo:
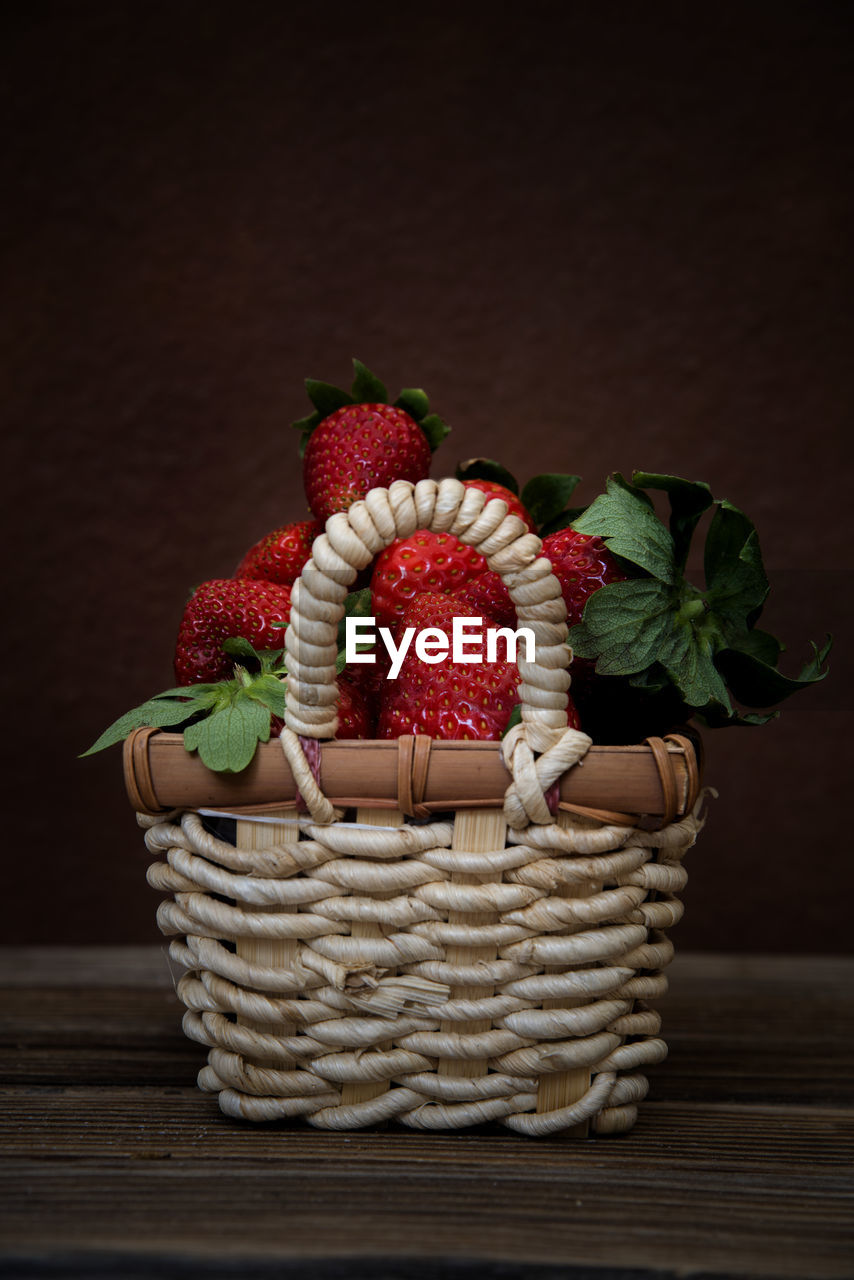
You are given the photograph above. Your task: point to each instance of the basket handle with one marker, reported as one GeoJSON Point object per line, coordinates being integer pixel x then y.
{"type": "Point", "coordinates": [350, 542]}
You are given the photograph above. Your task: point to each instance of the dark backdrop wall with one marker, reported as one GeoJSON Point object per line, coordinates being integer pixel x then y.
{"type": "Point", "coordinates": [603, 237]}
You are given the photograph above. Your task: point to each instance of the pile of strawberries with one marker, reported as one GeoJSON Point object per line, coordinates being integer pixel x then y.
{"type": "Point", "coordinates": [421, 581]}
{"type": "Point", "coordinates": [650, 648]}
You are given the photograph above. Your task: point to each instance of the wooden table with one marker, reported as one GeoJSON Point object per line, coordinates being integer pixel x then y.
{"type": "Point", "coordinates": [113, 1164]}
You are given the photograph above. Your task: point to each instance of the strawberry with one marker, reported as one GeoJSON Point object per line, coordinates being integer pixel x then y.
{"type": "Point", "coordinates": [355, 440]}
{"type": "Point", "coordinates": [222, 608]}
{"type": "Point", "coordinates": [515, 506]}
{"type": "Point", "coordinates": [354, 717]}
{"type": "Point", "coordinates": [357, 448]}
{"type": "Point", "coordinates": [488, 596]}
{"type": "Point", "coordinates": [369, 678]}
{"type": "Point", "coordinates": [449, 699]}
{"type": "Point", "coordinates": [280, 555]}
{"type": "Point", "coordinates": [432, 562]}
{"type": "Point", "coordinates": [582, 564]}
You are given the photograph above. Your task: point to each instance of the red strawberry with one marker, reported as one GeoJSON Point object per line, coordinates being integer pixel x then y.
{"type": "Point", "coordinates": [369, 677]}
{"type": "Point", "coordinates": [514, 504]}
{"type": "Point", "coordinates": [227, 607]}
{"type": "Point", "coordinates": [582, 564]}
{"type": "Point", "coordinates": [354, 716]}
{"type": "Point", "coordinates": [280, 555]}
{"type": "Point", "coordinates": [448, 699]}
{"type": "Point", "coordinates": [488, 596]}
{"type": "Point", "coordinates": [354, 719]}
{"type": "Point", "coordinates": [436, 562]}
{"type": "Point", "coordinates": [357, 448]}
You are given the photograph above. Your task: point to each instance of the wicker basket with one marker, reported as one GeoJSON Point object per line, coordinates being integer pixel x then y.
{"type": "Point", "coordinates": [439, 933]}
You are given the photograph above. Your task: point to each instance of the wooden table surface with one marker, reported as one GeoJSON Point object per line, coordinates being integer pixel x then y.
{"type": "Point", "coordinates": [114, 1164]}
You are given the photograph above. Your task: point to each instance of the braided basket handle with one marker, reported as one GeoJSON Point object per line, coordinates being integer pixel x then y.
{"type": "Point", "coordinates": [351, 541]}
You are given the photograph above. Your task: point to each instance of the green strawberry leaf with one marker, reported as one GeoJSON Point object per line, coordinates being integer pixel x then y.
{"type": "Point", "coordinates": [325, 397]}
{"type": "Point", "coordinates": [623, 626]}
{"type": "Point", "coordinates": [435, 429]}
{"type": "Point", "coordinates": [236, 716]}
{"type": "Point", "coordinates": [759, 644]}
{"type": "Point", "coordinates": [272, 661]}
{"type": "Point", "coordinates": [513, 719]}
{"type": "Point", "coordinates": [192, 692]}
{"type": "Point", "coordinates": [367, 388]}
{"type": "Point", "coordinates": [269, 690]}
{"type": "Point", "coordinates": [487, 469]}
{"type": "Point", "coordinates": [688, 500]}
{"type": "Point", "coordinates": [652, 680]}
{"type": "Point", "coordinates": [226, 740]}
{"type": "Point", "coordinates": [305, 426]}
{"type": "Point", "coordinates": [166, 710]}
{"type": "Point", "coordinates": [715, 716]}
{"type": "Point", "coordinates": [759, 684]}
{"type": "Point", "coordinates": [691, 668]}
{"type": "Point", "coordinates": [563, 521]}
{"type": "Point", "coordinates": [673, 643]}
{"type": "Point", "coordinates": [263, 660]}
{"type": "Point", "coordinates": [357, 604]}
{"type": "Point", "coordinates": [546, 496]}
{"type": "Point", "coordinates": [240, 647]}
{"type": "Point", "coordinates": [736, 584]}
{"type": "Point", "coordinates": [363, 646]}
{"type": "Point", "coordinates": [629, 626]}
{"type": "Point", "coordinates": [413, 400]}
{"type": "Point", "coordinates": [625, 519]}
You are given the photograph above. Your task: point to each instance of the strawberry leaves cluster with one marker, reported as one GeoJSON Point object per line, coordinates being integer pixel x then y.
{"type": "Point", "coordinates": [661, 633]}
{"type": "Point", "coordinates": [224, 721]}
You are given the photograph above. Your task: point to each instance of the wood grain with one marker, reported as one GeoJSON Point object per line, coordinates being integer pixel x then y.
{"type": "Point", "coordinates": [741, 1165]}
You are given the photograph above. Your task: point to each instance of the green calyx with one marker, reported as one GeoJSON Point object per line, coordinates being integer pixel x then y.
{"type": "Point", "coordinates": [223, 721]}
{"type": "Point", "coordinates": [663, 634]}
{"type": "Point", "coordinates": [368, 389]}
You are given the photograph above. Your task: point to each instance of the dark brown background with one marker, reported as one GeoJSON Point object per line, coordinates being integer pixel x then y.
{"type": "Point", "coordinates": [602, 238]}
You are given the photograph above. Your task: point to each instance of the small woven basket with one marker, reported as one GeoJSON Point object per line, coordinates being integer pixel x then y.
{"type": "Point", "coordinates": [439, 933]}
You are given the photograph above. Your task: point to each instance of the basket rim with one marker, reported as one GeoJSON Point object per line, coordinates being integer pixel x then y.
{"type": "Point", "coordinates": [649, 783]}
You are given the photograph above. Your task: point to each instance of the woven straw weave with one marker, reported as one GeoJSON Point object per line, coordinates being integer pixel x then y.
{"type": "Point", "coordinates": [351, 973]}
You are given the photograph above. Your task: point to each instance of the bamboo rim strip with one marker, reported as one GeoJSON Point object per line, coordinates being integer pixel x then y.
{"type": "Point", "coordinates": [160, 775]}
